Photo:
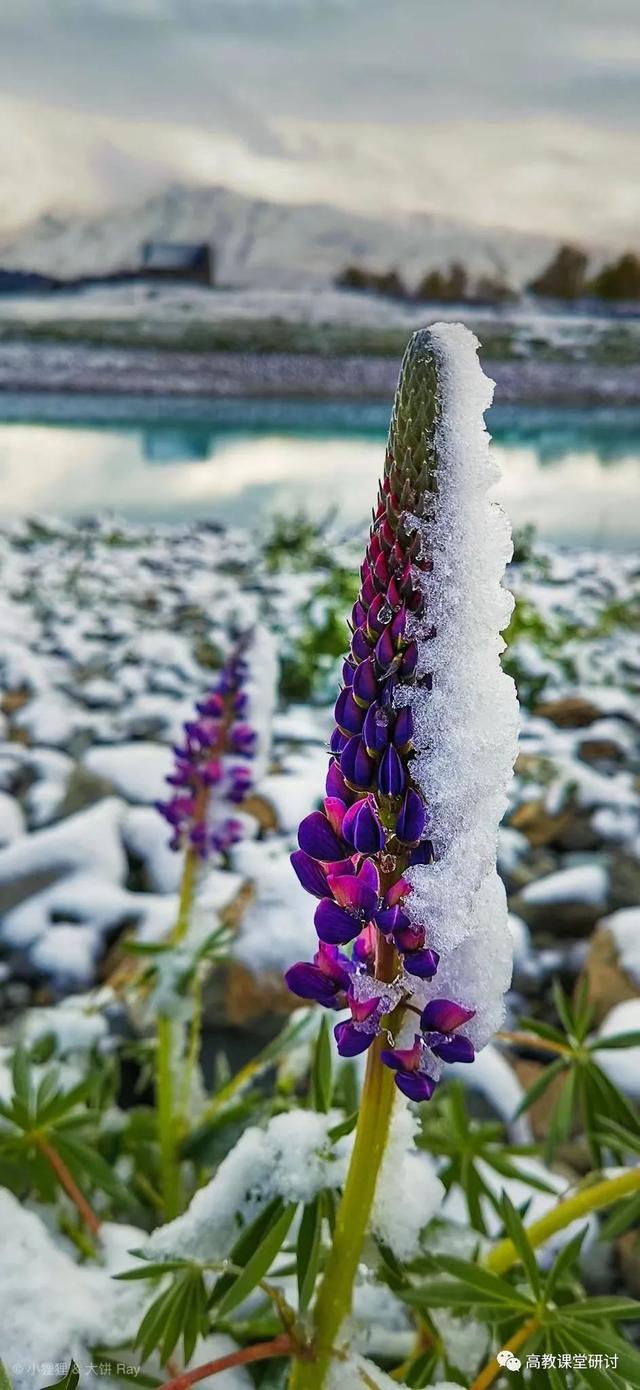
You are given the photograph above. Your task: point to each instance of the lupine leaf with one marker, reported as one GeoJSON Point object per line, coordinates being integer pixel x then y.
{"type": "Point", "coordinates": [539, 1086]}
{"type": "Point", "coordinates": [515, 1230]}
{"type": "Point", "coordinates": [568, 1256]}
{"type": "Point", "coordinates": [345, 1126]}
{"type": "Point", "coordinates": [259, 1263]}
{"type": "Point", "coordinates": [321, 1078]}
{"type": "Point", "coordinates": [624, 1217]}
{"type": "Point", "coordinates": [618, 1040]}
{"type": "Point", "coordinates": [308, 1249]}
{"type": "Point", "coordinates": [5, 1383]}
{"type": "Point", "coordinates": [247, 1242]}
{"type": "Point", "coordinates": [611, 1308]}
{"type": "Point", "coordinates": [69, 1380]}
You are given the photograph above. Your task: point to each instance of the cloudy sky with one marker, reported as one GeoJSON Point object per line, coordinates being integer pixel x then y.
{"type": "Point", "coordinates": [521, 113]}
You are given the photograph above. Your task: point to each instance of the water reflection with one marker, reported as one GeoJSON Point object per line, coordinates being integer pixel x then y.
{"type": "Point", "coordinates": [573, 474]}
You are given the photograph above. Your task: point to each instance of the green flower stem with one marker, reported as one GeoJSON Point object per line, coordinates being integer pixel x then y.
{"type": "Point", "coordinates": [592, 1198]}
{"type": "Point", "coordinates": [168, 1128]}
{"type": "Point", "coordinates": [335, 1294]}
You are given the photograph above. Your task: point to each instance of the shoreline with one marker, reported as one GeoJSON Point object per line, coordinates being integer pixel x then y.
{"type": "Point", "coordinates": [80, 369]}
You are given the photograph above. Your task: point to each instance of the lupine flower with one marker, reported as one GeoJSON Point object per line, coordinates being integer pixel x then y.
{"type": "Point", "coordinates": [377, 853]}
{"type": "Point", "coordinates": [216, 753]}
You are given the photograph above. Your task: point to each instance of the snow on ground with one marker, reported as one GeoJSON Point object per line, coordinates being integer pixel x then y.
{"type": "Point", "coordinates": [109, 633]}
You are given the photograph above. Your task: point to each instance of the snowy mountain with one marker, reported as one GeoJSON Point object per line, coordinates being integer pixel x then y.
{"type": "Point", "coordinates": [265, 244]}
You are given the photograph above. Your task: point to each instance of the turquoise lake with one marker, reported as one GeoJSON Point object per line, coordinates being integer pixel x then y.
{"type": "Point", "coordinates": [574, 474]}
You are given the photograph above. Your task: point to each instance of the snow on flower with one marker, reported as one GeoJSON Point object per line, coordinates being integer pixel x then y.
{"type": "Point", "coordinates": [411, 915]}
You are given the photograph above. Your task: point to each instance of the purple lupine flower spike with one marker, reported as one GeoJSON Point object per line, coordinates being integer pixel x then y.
{"type": "Point", "coordinates": [217, 753]}
{"type": "Point", "coordinates": [371, 832]}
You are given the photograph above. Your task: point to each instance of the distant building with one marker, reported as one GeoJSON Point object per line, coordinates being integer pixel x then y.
{"type": "Point", "coordinates": [178, 260]}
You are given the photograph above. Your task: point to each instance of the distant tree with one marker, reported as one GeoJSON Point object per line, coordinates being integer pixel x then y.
{"type": "Point", "coordinates": [619, 280]}
{"type": "Point", "coordinates": [445, 286]}
{"type": "Point", "coordinates": [490, 289]}
{"type": "Point", "coordinates": [357, 277]}
{"type": "Point", "coordinates": [565, 277]}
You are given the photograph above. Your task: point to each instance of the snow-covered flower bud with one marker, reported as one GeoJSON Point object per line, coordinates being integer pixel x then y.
{"type": "Point", "coordinates": [402, 856]}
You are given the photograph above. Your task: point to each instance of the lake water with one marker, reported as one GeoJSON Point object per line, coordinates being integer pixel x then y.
{"type": "Point", "coordinates": [574, 474]}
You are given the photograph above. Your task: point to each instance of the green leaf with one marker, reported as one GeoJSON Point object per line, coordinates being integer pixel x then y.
{"type": "Point", "coordinates": [5, 1383]}
{"type": "Point", "coordinates": [345, 1126]}
{"type": "Point", "coordinates": [618, 1040]}
{"type": "Point", "coordinates": [563, 1262]}
{"type": "Point", "coordinates": [543, 1030]}
{"type": "Point", "coordinates": [540, 1085]}
{"type": "Point", "coordinates": [624, 1217]}
{"type": "Point", "coordinates": [247, 1242]}
{"type": "Point", "coordinates": [421, 1371]}
{"type": "Point", "coordinates": [21, 1076]}
{"type": "Point", "coordinates": [515, 1230]}
{"type": "Point", "coordinates": [69, 1380]}
{"type": "Point", "coordinates": [308, 1250]}
{"type": "Point", "coordinates": [563, 1008]}
{"type": "Point", "coordinates": [612, 1309]}
{"type": "Point", "coordinates": [321, 1076]}
{"type": "Point", "coordinates": [476, 1285]}
{"type": "Point", "coordinates": [259, 1264]}
{"type": "Point", "coordinates": [151, 1271]}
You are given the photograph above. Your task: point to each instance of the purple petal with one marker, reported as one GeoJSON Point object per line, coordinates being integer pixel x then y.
{"type": "Point", "coordinates": [335, 809]}
{"type": "Point", "coordinates": [347, 673]}
{"type": "Point", "coordinates": [338, 741]}
{"type": "Point", "coordinates": [424, 964]}
{"type": "Point", "coordinates": [444, 1016]}
{"type": "Point", "coordinates": [384, 649]}
{"type": "Point", "coordinates": [362, 1009]}
{"type": "Point", "coordinates": [335, 784]}
{"type": "Point", "coordinates": [352, 1040]}
{"type": "Point", "coordinates": [408, 936]}
{"type": "Point", "coordinates": [415, 1087]}
{"type": "Point", "coordinates": [312, 877]}
{"type": "Point", "coordinates": [403, 729]}
{"type": "Point", "coordinates": [390, 919]}
{"type": "Point", "coordinates": [398, 626]}
{"type": "Point", "coordinates": [335, 925]}
{"type": "Point", "coordinates": [358, 615]}
{"type": "Point", "coordinates": [349, 715]}
{"type": "Point", "coordinates": [409, 660]}
{"type": "Point", "coordinates": [308, 982]}
{"type": "Point", "coordinates": [368, 873]}
{"type": "Point", "coordinates": [334, 964]}
{"type": "Point", "coordinates": [423, 853]}
{"type": "Point", "coordinates": [406, 1059]}
{"type": "Point", "coordinates": [365, 682]}
{"type": "Point", "coordinates": [375, 730]}
{"type": "Point", "coordinates": [457, 1049]}
{"type": "Point", "coordinates": [357, 766]}
{"type": "Point", "coordinates": [391, 774]}
{"type": "Point", "coordinates": [360, 644]}
{"type": "Point", "coordinates": [354, 894]}
{"type": "Point", "coordinates": [362, 828]}
{"type": "Point", "coordinates": [412, 819]}
{"type": "Point", "coordinates": [316, 838]}
{"type": "Point", "coordinates": [364, 949]}
{"type": "Point", "coordinates": [379, 613]}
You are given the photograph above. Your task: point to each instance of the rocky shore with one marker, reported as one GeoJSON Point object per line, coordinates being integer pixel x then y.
{"type": "Point", "coordinates": [76, 368]}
